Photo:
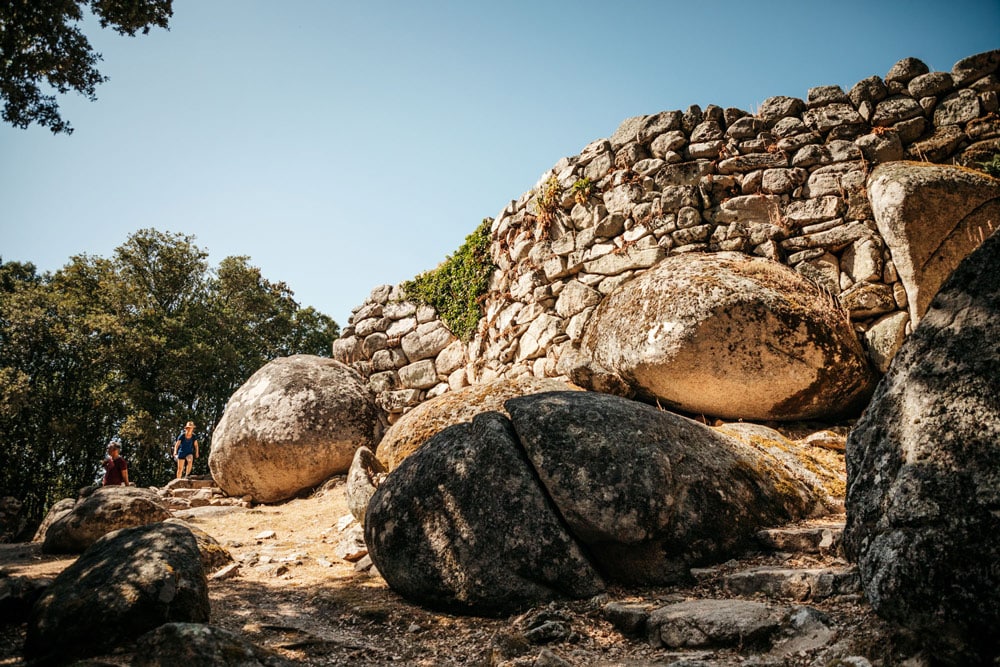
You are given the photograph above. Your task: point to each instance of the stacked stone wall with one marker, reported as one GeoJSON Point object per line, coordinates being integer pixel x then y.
{"type": "Point", "coordinates": [786, 183]}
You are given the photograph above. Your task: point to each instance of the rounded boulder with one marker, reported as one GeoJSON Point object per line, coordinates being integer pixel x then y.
{"type": "Point", "coordinates": [732, 336]}
{"type": "Point", "coordinates": [296, 421]}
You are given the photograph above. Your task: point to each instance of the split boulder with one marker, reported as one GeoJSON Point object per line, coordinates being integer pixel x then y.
{"type": "Point", "coordinates": [296, 422]}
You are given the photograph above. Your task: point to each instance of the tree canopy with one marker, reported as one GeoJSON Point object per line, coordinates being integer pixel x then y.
{"type": "Point", "coordinates": [132, 347]}
{"type": "Point", "coordinates": [41, 44]}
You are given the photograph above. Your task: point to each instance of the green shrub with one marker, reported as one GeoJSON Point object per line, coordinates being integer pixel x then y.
{"type": "Point", "coordinates": [992, 167]}
{"type": "Point", "coordinates": [456, 286]}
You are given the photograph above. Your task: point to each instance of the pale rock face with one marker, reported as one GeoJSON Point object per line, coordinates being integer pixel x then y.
{"type": "Point", "coordinates": [931, 217]}
{"type": "Point", "coordinates": [731, 336]}
{"type": "Point", "coordinates": [296, 421]}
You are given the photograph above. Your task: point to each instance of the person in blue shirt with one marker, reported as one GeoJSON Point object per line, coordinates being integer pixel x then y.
{"type": "Point", "coordinates": [186, 449]}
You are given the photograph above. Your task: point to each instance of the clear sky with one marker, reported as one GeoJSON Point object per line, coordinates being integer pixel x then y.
{"type": "Point", "coordinates": [344, 145]}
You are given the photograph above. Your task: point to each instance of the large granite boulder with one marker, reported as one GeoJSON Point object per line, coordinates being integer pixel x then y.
{"type": "Point", "coordinates": [931, 217]}
{"type": "Point", "coordinates": [732, 336]}
{"type": "Point", "coordinates": [107, 509]}
{"type": "Point", "coordinates": [366, 473]}
{"type": "Point", "coordinates": [455, 407]}
{"type": "Point", "coordinates": [296, 421]}
{"type": "Point", "coordinates": [651, 493]}
{"type": "Point", "coordinates": [462, 525]}
{"type": "Point", "coordinates": [58, 510]}
{"type": "Point", "coordinates": [126, 584]}
{"type": "Point", "coordinates": [923, 468]}
{"type": "Point", "coordinates": [572, 489]}
{"type": "Point", "coordinates": [214, 556]}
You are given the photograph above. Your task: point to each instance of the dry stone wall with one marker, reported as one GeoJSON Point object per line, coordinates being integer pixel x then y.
{"type": "Point", "coordinates": [787, 183]}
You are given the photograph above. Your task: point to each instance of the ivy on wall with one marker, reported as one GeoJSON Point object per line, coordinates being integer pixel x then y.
{"type": "Point", "coordinates": [456, 286]}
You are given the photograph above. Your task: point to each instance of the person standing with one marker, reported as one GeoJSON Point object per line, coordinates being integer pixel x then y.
{"type": "Point", "coordinates": [185, 449]}
{"type": "Point", "coordinates": [115, 467]}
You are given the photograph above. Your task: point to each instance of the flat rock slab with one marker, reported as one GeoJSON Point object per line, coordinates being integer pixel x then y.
{"type": "Point", "coordinates": [794, 583]}
{"type": "Point", "coordinates": [811, 540]}
{"type": "Point", "coordinates": [715, 623]}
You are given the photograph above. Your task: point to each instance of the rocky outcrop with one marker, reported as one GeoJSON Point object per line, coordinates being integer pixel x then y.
{"type": "Point", "coordinates": [931, 217]}
{"type": "Point", "coordinates": [574, 487]}
{"type": "Point", "coordinates": [107, 509]}
{"type": "Point", "coordinates": [59, 509]}
{"type": "Point", "coordinates": [732, 336]}
{"type": "Point", "coordinates": [417, 426]}
{"type": "Point", "coordinates": [293, 424]}
{"type": "Point", "coordinates": [787, 183]}
{"type": "Point", "coordinates": [463, 525]}
{"type": "Point", "coordinates": [126, 584]}
{"type": "Point", "coordinates": [924, 473]}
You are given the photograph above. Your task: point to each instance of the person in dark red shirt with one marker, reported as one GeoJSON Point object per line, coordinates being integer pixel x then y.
{"type": "Point", "coordinates": [115, 467]}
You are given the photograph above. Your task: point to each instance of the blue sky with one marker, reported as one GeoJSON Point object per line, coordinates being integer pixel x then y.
{"type": "Point", "coordinates": [343, 145]}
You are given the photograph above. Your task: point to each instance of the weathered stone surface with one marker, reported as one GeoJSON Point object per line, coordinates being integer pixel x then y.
{"type": "Point", "coordinates": [960, 107]}
{"type": "Point", "coordinates": [712, 623]}
{"type": "Point", "coordinates": [793, 583]}
{"type": "Point", "coordinates": [931, 217]}
{"type": "Point", "coordinates": [463, 525]}
{"type": "Point", "coordinates": [213, 555]}
{"type": "Point", "coordinates": [905, 70]}
{"type": "Point", "coordinates": [127, 583]}
{"type": "Point", "coordinates": [885, 337]}
{"type": "Point", "coordinates": [895, 109]}
{"type": "Point", "coordinates": [744, 163]}
{"type": "Point", "coordinates": [649, 492]}
{"type": "Point", "coordinates": [18, 595]}
{"type": "Point", "coordinates": [366, 473]}
{"type": "Point", "coordinates": [107, 509]}
{"type": "Point", "coordinates": [294, 408]}
{"type": "Point", "coordinates": [57, 511]}
{"type": "Point", "coordinates": [975, 67]}
{"type": "Point", "coordinates": [420, 424]}
{"type": "Point", "coordinates": [427, 341]}
{"type": "Point", "coordinates": [200, 645]}
{"type": "Point", "coordinates": [678, 332]}
{"type": "Point", "coordinates": [774, 109]}
{"type": "Point", "coordinates": [932, 83]}
{"type": "Point", "coordinates": [923, 465]}
{"type": "Point", "coordinates": [418, 375]}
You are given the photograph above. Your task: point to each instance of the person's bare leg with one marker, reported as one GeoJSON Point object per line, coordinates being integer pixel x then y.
{"type": "Point", "coordinates": [180, 467]}
{"type": "Point", "coordinates": [190, 464]}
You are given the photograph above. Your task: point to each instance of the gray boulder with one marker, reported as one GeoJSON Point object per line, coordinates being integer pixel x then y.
{"type": "Point", "coordinates": [462, 525]}
{"type": "Point", "coordinates": [651, 493]}
{"type": "Point", "coordinates": [931, 217]}
{"type": "Point", "coordinates": [105, 510]}
{"type": "Point", "coordinates": [199, 645]}
{"type": "Point", "coordinates": [128, 583]}
{"type": "Point", "coordinates": [296, 422]}
{"type": "Point", "coordinates": [56, 512]}
{"type": "Point", "coordinates": [731, 336]}
{"type": "Point", "coordinates": [923, 468]}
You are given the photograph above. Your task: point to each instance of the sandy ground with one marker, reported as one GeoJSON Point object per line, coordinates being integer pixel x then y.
{"type": "Point", "coordinates": [295, 596]}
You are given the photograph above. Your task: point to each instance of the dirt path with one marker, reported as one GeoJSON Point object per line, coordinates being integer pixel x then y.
{"type": "Point", "coordinates": [294, 595]}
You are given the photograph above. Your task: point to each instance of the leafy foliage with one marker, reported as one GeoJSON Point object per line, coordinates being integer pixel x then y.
{"type": "Point", "coordinates": [454, 288]}
{"type": "Point", "coordinates": [132, 346]}
{"type": "Point", "coordinates": [40, 43]}
{"type": "Point", "coordinates": [992, 166]}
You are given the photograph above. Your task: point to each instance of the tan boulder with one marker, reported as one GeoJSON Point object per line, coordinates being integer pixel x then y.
{"type": "Point", "coordinates": [931, 217]}
{"type": "Point", "coordinates": [417, 426]}
{"type": "Point", "coordinates": [731, 336]}
{"type": "Point", "coordinates": [296, 421]}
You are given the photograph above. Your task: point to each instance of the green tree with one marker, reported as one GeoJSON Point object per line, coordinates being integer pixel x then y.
{"type": "Point", "coordinates": [41, 44]}
{"type": "Point", "coordinates": [132, 346]}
